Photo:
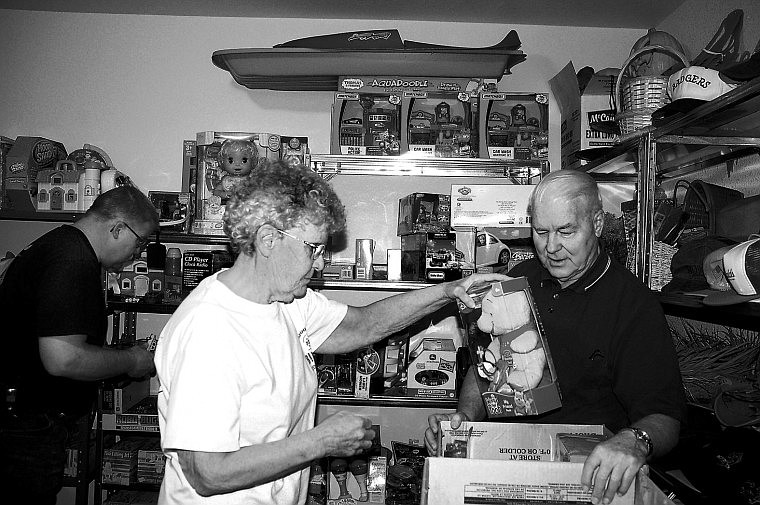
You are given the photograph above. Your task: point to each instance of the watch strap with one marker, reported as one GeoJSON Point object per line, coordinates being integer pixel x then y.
{"type": "Point", "coordinates": [643, 437]}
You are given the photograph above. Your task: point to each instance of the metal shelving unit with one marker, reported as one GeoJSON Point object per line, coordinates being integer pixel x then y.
{"type": "Point", "coordinates": [716, 132]}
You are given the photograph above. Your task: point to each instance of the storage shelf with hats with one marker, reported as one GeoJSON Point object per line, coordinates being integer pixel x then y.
{"type": "Point", "coordinates": [708, 136]}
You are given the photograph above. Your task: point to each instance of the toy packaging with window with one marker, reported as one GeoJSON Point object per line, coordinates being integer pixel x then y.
{"type": "Point", "coordinates": [430, 257]}
{"type": "Point", "coordinates": [365, 120]}
{"type": "Point", "coordinates": [432, 372]}
{"type": "Point", "coordinates": [514, 126]}
{"type": "Point", "coordinates": [508, 348]}
{"type": "Point", "coordinates": [424, 212]}
{"type": "Point", "coordinates": [224, 159]}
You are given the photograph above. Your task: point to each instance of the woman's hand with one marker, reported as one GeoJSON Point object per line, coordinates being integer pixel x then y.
{"type": "Point", "coordinates": [345, 434]}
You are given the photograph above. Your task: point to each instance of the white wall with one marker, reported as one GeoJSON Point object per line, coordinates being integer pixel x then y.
{"type": "Point", "coordinates": [136, 86]}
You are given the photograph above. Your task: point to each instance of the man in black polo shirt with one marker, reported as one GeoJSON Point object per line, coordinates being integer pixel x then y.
{"type": "Point", "coordinates": [608, 337]}
{"type": "Point", "coordinates": [54, 328]}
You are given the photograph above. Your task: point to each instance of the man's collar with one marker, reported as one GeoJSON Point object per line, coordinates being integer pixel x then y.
{"type": "Point", "coordinates": [600, 266]}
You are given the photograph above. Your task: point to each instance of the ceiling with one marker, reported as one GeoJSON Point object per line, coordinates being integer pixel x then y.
{"type": "Point", "coordinates": [597, 13]}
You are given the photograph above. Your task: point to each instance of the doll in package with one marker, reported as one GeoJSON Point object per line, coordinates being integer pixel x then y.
{"type": "Point", "coordinates": [509, 351]}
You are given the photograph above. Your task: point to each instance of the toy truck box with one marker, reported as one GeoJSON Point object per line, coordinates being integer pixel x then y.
{"type": "Point", "coordinates": [223, 160]}
{"type": "Point", "coordinates": [509, 350]}
{"type": "Point", "coordinates": [430, 257]}
{"type": "Point", "coordinates": [514, 126]}
{"type": "Point", "coordinates": [424, 212]}
{"type": "Point", "coordinates": [580, 110]}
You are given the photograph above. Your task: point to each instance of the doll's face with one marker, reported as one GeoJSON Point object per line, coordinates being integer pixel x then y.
{"type": "Point", "coordinates": [238, 159]}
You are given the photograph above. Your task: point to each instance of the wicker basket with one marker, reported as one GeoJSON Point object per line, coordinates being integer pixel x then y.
{"type": "Point", "coordinates": [659, 270]}
{"type": "Point", "coordinates": [702, 201]}
{"type": "Point", "coordinates": [637, 98]}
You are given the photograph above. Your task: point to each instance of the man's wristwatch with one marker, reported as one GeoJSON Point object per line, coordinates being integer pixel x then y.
{"type": "Point", "coordinates": [643, 437]}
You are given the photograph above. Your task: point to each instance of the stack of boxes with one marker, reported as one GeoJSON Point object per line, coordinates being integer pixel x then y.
{"type": "Point", "coordinates": [120, 460]}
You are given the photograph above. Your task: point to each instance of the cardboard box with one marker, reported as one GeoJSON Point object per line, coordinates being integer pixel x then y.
{"type": "Point", "coordinates": [514, 126]}
{"type": "Point", "coordinates": [439, 124]}
{"type": "Point", "coordinates": [516, 463]}
{"type": "Point", "coordinates": [424, 212]}
{"type": "Point", "coordinates": [580, 110]}
{"type": "Point", "coordinates": [509, 441]}
{"type": "Point", "coordinates": [175, 209]}
{"type": "Point", "coordinates": [295, 150]}
{"type": "Point", "coordinates": [498, 205]}
{"type": "Point", "coordinates": [433, 373]}
{"type": "Point", "coordinates": [510, 352]}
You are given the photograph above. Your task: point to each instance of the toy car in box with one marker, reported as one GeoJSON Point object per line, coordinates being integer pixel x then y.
{"type": "Point", "coordinates": [509, 350]}
{"type": "Point", "coordinates": [366, 124]}
{"type": "Point", "coordinates": [514, 126]}
{"type": "Point", "coordinates": [440, 124]}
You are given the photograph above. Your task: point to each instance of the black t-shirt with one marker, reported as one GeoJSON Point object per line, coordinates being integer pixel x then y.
{"type": "Point", "coordinates": [53, 287]}
{"type": "Point", "coordinates": [610, 345]}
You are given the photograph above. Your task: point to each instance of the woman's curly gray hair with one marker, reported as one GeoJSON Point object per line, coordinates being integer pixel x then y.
{"type": "Point", "coordinates": [283, 196]}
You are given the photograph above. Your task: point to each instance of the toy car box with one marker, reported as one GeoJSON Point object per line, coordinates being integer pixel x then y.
{"type": "Point", "coordinates": [441, 124]}
{"type": "Point", "coordinates": [498, 205]}
{"type": "Point", "coordinates": [366, 124]}
{"type": "Point", "coordinates": [429, 257]}
{"type": "Point", "coordinates": [424, 212]}
{"type": "Point", "coordinates": [580, 110]}
{"type": "Point", "coordinates": [213, 184]}
{"type": "Point", "coordinates": [433, 372]}
{"type": "Point", "coordinates": [514, 126]}
{"type": "Point", "coordinates": [509, 351]}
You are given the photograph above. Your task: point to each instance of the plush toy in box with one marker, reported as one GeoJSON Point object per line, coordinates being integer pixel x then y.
{"type": "Point", "coordinates": [508, 347]}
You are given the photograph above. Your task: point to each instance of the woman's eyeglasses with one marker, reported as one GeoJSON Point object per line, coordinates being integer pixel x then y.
{"type": "Point", "coordinates": [317, 250]}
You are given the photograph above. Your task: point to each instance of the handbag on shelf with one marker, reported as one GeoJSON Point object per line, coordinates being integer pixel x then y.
{"type": "Point", "coordinates": [702, 201]}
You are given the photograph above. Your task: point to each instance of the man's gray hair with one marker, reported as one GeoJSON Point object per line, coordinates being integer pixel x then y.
{"type": "Point", "coordinates": [570, 185]}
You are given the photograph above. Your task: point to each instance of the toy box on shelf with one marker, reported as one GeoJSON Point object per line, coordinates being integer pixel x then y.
{"type": "Point", "coordinates": [499, 205]}
{"type": "Point", "coordinates": [424, 212]}
{"type": "Point", "coordinates": [430, 257]}
{"type": "Point", "coordinates": [365, 120]}
{"type": "Point", "coordinates": [432, 373]}
{"type": "Point", "coordinates": [358, 479]}
{"type": "Point", "coordinates": [580, 109]}
{"type": "Point", "coordinates": [514, 126]}
{"type": "Point", "coordinates": [24, 158]}
{"type": "Point", "coordinates": [510, 352]}
{"type": "Point", "coordinates": [224, 159]}
{"type": "Point", "coordinates": [440, 118]}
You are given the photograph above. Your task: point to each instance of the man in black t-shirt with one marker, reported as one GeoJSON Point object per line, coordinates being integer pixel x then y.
{"type": "Point", "coordinates": [54, 328]}
{"type": "Point", "coordinates": [612, 351]}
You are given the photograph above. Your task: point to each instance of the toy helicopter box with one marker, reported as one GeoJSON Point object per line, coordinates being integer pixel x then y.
{"type": "Point", "coordinates": [224, 159]}
{"type": "Point", "coordinates": [509, 350]}
{"type": "Point", "coordinates": [514, 126]}
{"type": "Point", "coordinates": [580, 110]}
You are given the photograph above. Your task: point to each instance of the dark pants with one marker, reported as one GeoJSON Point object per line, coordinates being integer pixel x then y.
{"type": "Point", "coordinates": [33, 457]}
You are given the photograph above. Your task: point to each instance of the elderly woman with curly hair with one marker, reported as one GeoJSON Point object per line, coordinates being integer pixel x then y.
{"type": "Point", "coordinates": [235, 361]}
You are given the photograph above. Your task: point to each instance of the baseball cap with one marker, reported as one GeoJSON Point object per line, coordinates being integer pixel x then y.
{"type": "Point", "coordinates": [691, 87]}
{"type": "Point", "coordinates": [741, 266]}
